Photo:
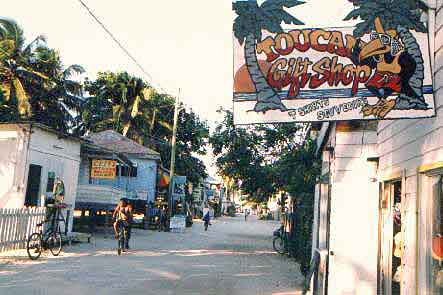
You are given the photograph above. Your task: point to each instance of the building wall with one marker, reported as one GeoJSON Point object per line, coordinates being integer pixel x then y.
{"type": "Point", "coordinates": [60, 156]}
{"type": "Point", "coordinates": [404, 145]}
{"type": "Point", "coordinates": [13, 147]}
{"type": "Point", "coordinates": [144, 185]}
{"type": "Point", "coordinates": [19, 149]}
{"type": "Point", "coordinates": [353, 213]}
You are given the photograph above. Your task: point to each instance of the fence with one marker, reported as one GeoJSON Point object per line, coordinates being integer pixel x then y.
{"type": "Point", "coordinates": [17, 224]}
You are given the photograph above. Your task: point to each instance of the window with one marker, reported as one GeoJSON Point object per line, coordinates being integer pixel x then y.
{"type": "Point", "coordinates": [33, 186]}
{"type": "Point", "coordinates": [436, 246]}
{"type": "Point", "coordinates": [430, 235]}
{"type": "Point", "coordinates": [50, 183]}
{"type": "Point", "coordinates": [127, 171]}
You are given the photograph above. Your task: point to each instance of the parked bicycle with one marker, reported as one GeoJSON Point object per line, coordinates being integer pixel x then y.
{"type": "Point", "coordinates": [280, 242]}
{"type": "Point", "coordinates": [49, 238]}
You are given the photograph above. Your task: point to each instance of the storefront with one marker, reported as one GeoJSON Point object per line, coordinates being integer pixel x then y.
{"type": "Point", "coordinates": [378, 220]}
{"type": "Point", "coordinates": [430, 235]}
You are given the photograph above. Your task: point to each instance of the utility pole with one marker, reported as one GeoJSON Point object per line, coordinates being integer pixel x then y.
{"type": "Point", "coordinates": [173, 146]}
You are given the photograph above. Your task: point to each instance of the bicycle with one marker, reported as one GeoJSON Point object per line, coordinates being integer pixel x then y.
{"type": "Point", "coordinates": [51, 239]}
{"type": "Point", "coordinates": [122, 236]}
{"type": "Point", "coordinates": [280, 241]}
{"type": "Point", "coordinates": [39, 242]}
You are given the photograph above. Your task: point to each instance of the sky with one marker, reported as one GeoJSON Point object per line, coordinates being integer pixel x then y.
{"type": "Point", "coordinates": [181, 44]}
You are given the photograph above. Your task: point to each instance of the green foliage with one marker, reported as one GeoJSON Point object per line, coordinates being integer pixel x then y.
{"type": "Point", "coordinates": [268, 159]}
{"type": "Point", "coordinates": [33, 82]}
{"type": "Point", "coordinates": [252, 18]}
{"type": "Point", "coordinates": [239, 157]}
{"type": "Point", "coordinates": [130, 106]}
{"type": "Point", "coordinates": [35, 86]}
{"type": "Point", "coordinates": [118, 101]}
{"type": "Point", "coordinates": [393, 13]}
{"type": "Point", "coordinates": [301, 168]}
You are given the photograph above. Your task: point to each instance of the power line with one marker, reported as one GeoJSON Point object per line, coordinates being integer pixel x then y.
{"type": "Point", "coordinates": [126, 51]}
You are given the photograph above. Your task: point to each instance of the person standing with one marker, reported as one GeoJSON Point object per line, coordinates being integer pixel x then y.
{"type": "Point", "coordinates": [206, 217]}
{"type": "Point", "coordinates": [163, 219]}
{"type": "Point", "coordinates": [246, 214]}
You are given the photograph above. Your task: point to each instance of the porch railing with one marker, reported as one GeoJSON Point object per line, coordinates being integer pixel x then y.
{"type": "Point", "coordinates": [17, 224]}
{"type": "Point", "coordinates": [102, 194]}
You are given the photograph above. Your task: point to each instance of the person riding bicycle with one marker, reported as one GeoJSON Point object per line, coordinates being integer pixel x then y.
{"type": "Point", "coordinates": [122, 214]}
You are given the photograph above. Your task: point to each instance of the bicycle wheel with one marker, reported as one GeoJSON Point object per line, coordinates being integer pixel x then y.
{"type": "Point", "coordinates": [278, 245]}
{"type": "Point", "coordinates": [34, 246]}
{"type": "Point", "coordinates": [121, 239]}
{"type": "Point", "coordinates": [54, 243]}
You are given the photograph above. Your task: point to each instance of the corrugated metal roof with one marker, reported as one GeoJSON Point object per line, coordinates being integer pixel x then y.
{"type": "Point", "coordinates": [116, 142]}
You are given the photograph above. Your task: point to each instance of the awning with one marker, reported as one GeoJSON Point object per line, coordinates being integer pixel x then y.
{"type": "Point", "coordinates": [94, 151]}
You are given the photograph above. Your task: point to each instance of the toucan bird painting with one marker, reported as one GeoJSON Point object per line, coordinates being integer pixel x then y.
{"type": "Point", "coordinates": [399, 70]}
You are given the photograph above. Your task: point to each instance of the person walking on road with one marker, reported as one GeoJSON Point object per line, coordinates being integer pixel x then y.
{"type": "Point", "coordinates": [246, 214]}
{"type": "Point", "coordinates": [206, 217]}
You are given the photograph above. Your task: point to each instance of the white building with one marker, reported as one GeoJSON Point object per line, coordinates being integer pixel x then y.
{"type": "Point", "coordinates": [32, 156]}
{"type": "Point", "coordinates": [379, 204]}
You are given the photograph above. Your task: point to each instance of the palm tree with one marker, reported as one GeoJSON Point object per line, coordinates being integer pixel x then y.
{"type": "Point", "coordinates": [118, 101]}
{"type": "Point", "coordinates": [17, 65]}
{"type": "Point", "coordinates": [58, 101]}
{"type": "Point", "coordinates": [392, 13]}
{"type": "Point", "coordinates": [248, 26]}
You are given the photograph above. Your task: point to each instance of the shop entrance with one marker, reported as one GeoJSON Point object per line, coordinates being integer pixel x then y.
{"type": "Point", "coordinates": [390, 239]}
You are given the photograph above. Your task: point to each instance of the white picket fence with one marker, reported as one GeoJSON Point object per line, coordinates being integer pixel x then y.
{"type": "Point", "coordinates": [17, 224]}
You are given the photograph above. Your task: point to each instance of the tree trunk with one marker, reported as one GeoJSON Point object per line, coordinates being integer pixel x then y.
{"type": "Point", "coordinates": [267, 97]}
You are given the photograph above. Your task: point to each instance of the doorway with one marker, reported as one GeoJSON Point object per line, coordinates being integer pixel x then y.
{"type": "Point", "coordinates": [33, 186]}
{"type": "Point", "coordinates": [390, 239]}
{"type": "Point", "coordinates": [322, 240]}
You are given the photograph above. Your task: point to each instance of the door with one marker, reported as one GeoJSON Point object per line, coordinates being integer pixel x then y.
{"type": "Point", "coordinates": [390, 239]}
{"type": "Point", "coordinates": [33, 186]}
{"type": "Point", "coordinates": [324, 210]}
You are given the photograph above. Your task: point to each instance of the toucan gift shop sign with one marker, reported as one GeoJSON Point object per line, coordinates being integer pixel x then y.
{"type": "Point", "coordinates": [308, 75]}
{"type": "Point", "coordinates": [103, 169]}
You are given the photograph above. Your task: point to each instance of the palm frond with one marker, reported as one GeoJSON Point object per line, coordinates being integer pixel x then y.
{"type": "Point", "coordinates": [73, 70]}
{"type": "Point", "coordinates": [5, 88]}
{"type": "Point", "coordinates": [393, 13]}
{"type": "Point", "coordinates": [9, 29]}
{"type": "Point", "coordinates": [73, 87]}
{"type": "Point", "coordinates": [134, 109]}
{"type": "Point", "coordinates": [6, 48]}
{"type": "Point", "coordinates": [24, 108]}
{"type": "Point", "coordinates": [165, 124]}
{"type": "Point", "coordinates": [148, 93]}
{"type": "Point", "coordinates": [22, 71]}
{"type": "Point", "coordinates": [35, 43]}
{"type": "Point", "coordinates": [252, 19]}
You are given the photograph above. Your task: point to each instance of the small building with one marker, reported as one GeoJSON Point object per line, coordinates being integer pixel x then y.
{"type": "Point", "coordinates": [214, 194]}
{"type": "Point", "coordinates": [132, 167]}
{"type": "Point", "coordinates": [32, 157]}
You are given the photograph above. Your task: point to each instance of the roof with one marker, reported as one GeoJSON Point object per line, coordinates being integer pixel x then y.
{"type": "Point", "coordinates": [46, 128]}
{"type": "Point", "coordinates": [91, 149]}
{"type": "Point", "coordinates": [114, 141]}
{"type": "Point", "coordinates": [212, 180]}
